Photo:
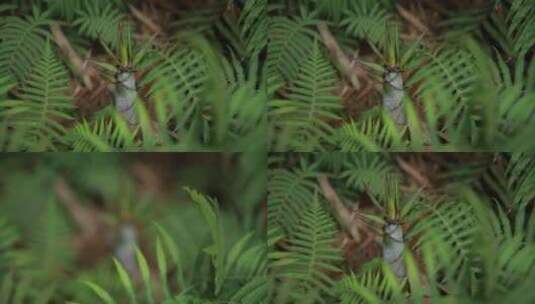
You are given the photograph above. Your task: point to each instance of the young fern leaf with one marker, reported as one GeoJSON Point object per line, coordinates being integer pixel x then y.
{"type": "Point", "coordinates": [216, 250]}
{"type": "Point", "coordinates": [290, 43]}
{"type": "Point", "coordinates": [22, 42]}
{"type": "Point", "coordinates": [174, 251]}
{"type": "Point", "coordinates": [450, 76]}
{"type": "Point", "coordinates": [44, 101]}
{"type": "Point", "coordinates": [371, 134]}
{"type": "Point", "coordinates": [376, 284]}
{"type": "Point", "coordinates": [100, 292]}
{"type": "Point", "coordinates": [145, 275]}
{"type": "Point", "coordinates": [102, 135]}
{"type": "Point", "coordinates": [311, 103]}
{"type": "Point", "coordinates": [125, 280]}
{"type": "Point", "coordinates": [366, 172]}
{"type": "Point", "coordinates": [310, 254]}
{"type": "Point", "coordinates": [289, 192]}
{"type": "Point", "coordinates": [184, 72]}
{"type": "Point", "coordinates": [365, 20]}
{"type": "Point", "coordinates": [100, 20]}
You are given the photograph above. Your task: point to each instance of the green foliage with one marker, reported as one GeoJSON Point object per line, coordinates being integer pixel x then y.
{"type": "Point", "coordinates": [248, 33]}
{"type": "Point", "coordinates": [450, 94]}
{"type": "Point", "coordinates": [308, 256]}
{"type": "Point", "coordinates": [310, 103]}
{"type": "Point", "coordinates": [290, 44]}
{"type": "Point", "coordinates": [365, 20]}
{"type": "Point", "coordinates": [22, 40]}
{"type": "Point", "coordinates": [189, 99]}
{"type": "Point", "coordinates": [100, 20]}
{"type": "Point", "coordinates": [43, 100]}
{"type": "Point", "coordinates": [240, 270]}
{"type": "Point", "coordinates": [465, 242]}
{"type": "Point", "coordinates": [367, 172]}
{"type": "Point", "coordinates": [289, 193]}
{"type": "Point", "coordinates": [72, 248]}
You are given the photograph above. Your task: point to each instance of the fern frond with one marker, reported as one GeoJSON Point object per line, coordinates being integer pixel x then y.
{"type": "Point", "coordinates": [311, 104]}
{"type": "Point", "coordinates": [521, 173]}
{"type": "Point", "coordinates": [365, 20]}
{"type": "Point", "coordinates": [290, 44]}
{"type": "Point", "coordinates": [184, 72]}
{"type": "Point", "coordinates": [21, 42]}
{"type": "Point", "coordinates": [370, 134]}
{"type": "Point", "coordinates": [50, 246]}
{"type": "Point", "coordinates": [102, 135]}
{"type": "Point", "coordinates": [513, 30]}
{"type": "Point", "coordinates": [8, 237]}
{"type": "Point", "coordinates": [248, 34]}
{"type": "Point", "coordinates": [454, 228]}
{"type": "Point", "coordinates": [376, 284]}
{"type": "Point", "coordinates": [289, 192]}
{"type": "Point", "coordinates": [100, 20]}
{"type": "Point", "coordinates": [44, 101]}
{"type": "Point", "coordinates": [255, 25]}
{"type": "Point", "coordinates": [449, 76]}
{"type": "Point", "coordinates": [366, 172]}
{"type": "Point", "coordinates": [310, 255]}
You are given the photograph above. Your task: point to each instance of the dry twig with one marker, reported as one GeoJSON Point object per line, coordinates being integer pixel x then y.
{"type": "Point", "coordinates": [420, 178]}
{"type": "Point", "coordinates": [412, 19]}
{"type": "Point", "coordinates": [350, 68]}
{"type": "Point", "coordinates": [344, 215]}
{"type": "Point", "coordinates": [155, 28]}
{"type": "Point", "coordinates": [79, 67]}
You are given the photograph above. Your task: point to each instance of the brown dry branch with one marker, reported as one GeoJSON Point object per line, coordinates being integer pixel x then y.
{"type": "Point", "coordinates": [79, 67]}
{"type": "Point", "coordinates": [349, 68]}
{"type": "Point", "coordinates": [414, 173]}
{"type": "Point", "coordinates": [151, 25]}
{"type": "Point", "coordinates": [344, 215]}
{"type": "Point", "coordinates": [413, 20]}
{"type": "Point", "coordinates": [95, 236]}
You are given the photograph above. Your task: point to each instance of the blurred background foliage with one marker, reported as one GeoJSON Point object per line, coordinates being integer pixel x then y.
{"type": "Point", "coordinates": [65, 216]}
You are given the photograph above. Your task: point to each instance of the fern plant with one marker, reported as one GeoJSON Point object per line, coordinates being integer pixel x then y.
{"type": "Point", "coordinates": [43, 101]}
{"type": "Point", "coordinates": [429, 86]}
{"type": "Point", "coordinates": [23, 40]}
{"type": "Point", "coordinates": [240, 270]}
{"type": "Point", "coordinates": [310, 104]}
{"type": "Point", "coordinates": [309, 254]}
{"type": "Point", "coordinates": [459, 242]}
{"type": "Point", "coordinates": [172, 87]}
{"type": "Point", "coordinates": [100, 20]}
{"type": "Point", "coordinates": [91, 236]}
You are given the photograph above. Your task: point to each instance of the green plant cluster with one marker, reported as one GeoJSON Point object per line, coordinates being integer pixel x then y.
{"type": "Point", "coordinates": [467, 239]}
{"type": "Point", "coordinates": [326, 117]}
{"type": "Point", "coordinates": [199, 86]}
{"type": "Point", "coordinates": [124, 242]}
{"type": "Point", "coordinates": [466, 81]}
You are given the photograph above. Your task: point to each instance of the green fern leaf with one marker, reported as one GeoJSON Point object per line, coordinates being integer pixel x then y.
{"type": "Point", "coordinates": [21, 42]}
{"type": "Point", "coordinates": [364, 20]}
{"type": "Point", "coordinates": [44, 103]}
{"type": "Point", "coordinates": [100, 20]}
{"type": "Point", "coordinates": [290, 43]}
{"type": "Point", "coordinates": [310, 105]}
{"type": "Point", "coordinates": [310, 254]}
